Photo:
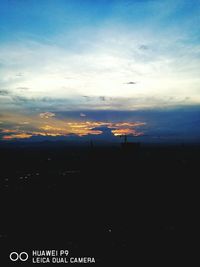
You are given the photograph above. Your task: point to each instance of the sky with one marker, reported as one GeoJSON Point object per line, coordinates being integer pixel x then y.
{"type": "Point", "coordinates": [89, 68]}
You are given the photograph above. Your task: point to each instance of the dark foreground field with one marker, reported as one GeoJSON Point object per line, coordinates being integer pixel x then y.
{"type": "Point", "coordinates": [119, 205]}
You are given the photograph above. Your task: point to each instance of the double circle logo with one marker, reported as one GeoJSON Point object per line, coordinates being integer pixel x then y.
{"type": "Point", "coordinates": [14, 256]}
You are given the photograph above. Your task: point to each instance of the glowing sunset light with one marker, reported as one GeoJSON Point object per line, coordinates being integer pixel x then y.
{"type": "Point", "coordinates": [63, 127]}
{"type": "Point", "coordinates": [132, 132]}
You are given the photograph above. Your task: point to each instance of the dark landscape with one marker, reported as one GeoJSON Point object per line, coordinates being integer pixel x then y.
{"type": "Point", "coordinates": [117, 203]}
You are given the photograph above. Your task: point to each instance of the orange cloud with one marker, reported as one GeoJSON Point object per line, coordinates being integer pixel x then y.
{"type": "Point", "coordinates": [127, 131]}
{"type": "Point", "coordinates": [8, 131]}
{"type": "Point", "coordinates": [24, 126]}
{"type": "Point", "coordinates": [17, 136]}
{"type": "Point", "coordinates": [126, 128]}
{"type": "Point", "coordinates": [51, 128]}
{"type": "Point", "coordinates": [80, 129]}
{"type": "Point", "coordinates": [126, 124]}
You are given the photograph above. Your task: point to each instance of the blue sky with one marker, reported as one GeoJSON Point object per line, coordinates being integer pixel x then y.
{"type": "Point", "coordinates": [77, 57]}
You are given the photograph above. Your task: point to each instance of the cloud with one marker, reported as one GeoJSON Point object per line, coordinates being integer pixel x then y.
{"type": "Point", "coordinates": [21, 99]}
{"type": "Point", "coordinates": [130, 83]}
{"type": "Point", "coordinates": [178, 124]}
{"type": "Point", "coordinates": [143, 47]}
{"type": "Point", "coordinates": [127, 131]}
{"type": "Point", "coordinates": [22, 88]}
{"type": "Point", "coordinates": [126, 128]}
{"type": "Point", "coordinates": [47, 115]}
{"type": "Point", "coordinates": [17, 136]}
{"type": "Point", "coordinates": [4, 92]}
{"type": "Point", "coordinates": [20, 126]}
{"type": "Point", "coordinates": [154, 43]}
{"type": "Point", "coordinates": [20, 103]}
{"type": "Point", "coordinates": [102, 98]}
{"type": "Point", "coordinates": [24, 122]}
{"type": "Point", "coordinates": [157, 74]}
{"type": "Point", "coordinates": [19, 74]}
{"type": "Point", "coordinates": [87, 98]}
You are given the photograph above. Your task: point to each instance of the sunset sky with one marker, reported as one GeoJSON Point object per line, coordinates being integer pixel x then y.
{"type": "Point", "coordinates": [100, 68]}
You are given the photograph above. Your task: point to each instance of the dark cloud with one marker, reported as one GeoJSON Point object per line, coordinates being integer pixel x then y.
{"type": "Point", "coordinates": [143, 47]}
{"type": "Point", "coordinates": [102, 98]}
{"type": "Point", "coordinates": [4, 92]}
{"type": "Point", "coordinates": [86, 97]}
{"type": "Point", "coordinates": [21, 99]}
{"type": "Point", "coordinates": [46, 99]}
{"type": "Point", "coordinates": [130, 83]}
{"type": "Point", "coordinates": [39, 100]}
{"type": "Point", "coordinates": [41, 104]}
